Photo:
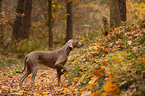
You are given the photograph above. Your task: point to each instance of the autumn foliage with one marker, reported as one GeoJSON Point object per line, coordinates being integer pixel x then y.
{"type": "Point", "coordinates": [115, 63]}
{"type": "Point", "coordinates": [112, 65]}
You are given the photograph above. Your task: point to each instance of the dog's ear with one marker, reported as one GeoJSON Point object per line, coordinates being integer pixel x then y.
{"type": "Point", "coordinates": [70, 44]}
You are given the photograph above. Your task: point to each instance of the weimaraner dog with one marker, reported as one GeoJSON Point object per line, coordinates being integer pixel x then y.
{"type": "Point", "coordinates": [54, 59]}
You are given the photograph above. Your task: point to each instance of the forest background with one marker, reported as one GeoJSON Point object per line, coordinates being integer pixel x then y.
{"type": "Point", "coordinates": [108, 64]}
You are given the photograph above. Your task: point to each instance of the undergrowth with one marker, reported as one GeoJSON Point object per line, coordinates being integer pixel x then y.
{"type": "Point", "coordinates": [112, 65]}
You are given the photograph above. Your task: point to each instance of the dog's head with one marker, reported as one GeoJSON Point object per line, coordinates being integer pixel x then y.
{"type": "Point", "coordinates": [75, 43]}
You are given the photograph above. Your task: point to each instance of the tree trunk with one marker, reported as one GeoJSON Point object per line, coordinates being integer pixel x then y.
{"type": "Point", "coordinates": [69, 27]}
{"type": "Point", "coordinates": [17, 28]}
{"type": "Point", "coordinates": [114, 13]}
{"type": "Point", "coordinates": [106, 26]}
{"type": "Point", "coordinates": [1, 25]}
{"type": "Point", "coordinates": [26, 19]}
{"type": "Point", "coordinates": [50, 20]}
{"type": "Point", "coordinates": [122, 8]}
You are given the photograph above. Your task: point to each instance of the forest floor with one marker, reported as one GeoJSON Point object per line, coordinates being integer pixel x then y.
{"type": "Point", "coordinates": [45, 82]}
{"type": "Point", "coordinates": [111, 65]}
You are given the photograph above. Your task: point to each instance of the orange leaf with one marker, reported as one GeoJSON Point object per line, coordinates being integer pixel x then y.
{"type": "Point", "coordinates": [106, 49]}
{"type": "Point", "coordinates": [105, 63]}
{"type": "Point", "coordinates": [111, 87]}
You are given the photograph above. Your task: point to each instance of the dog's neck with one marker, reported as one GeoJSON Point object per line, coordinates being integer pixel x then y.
{"type": "Point", "coordinates": [66, 49]}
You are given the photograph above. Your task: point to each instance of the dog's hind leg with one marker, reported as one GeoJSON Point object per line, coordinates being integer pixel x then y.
{"type": "Point", "coordinates": [28, 71]}
{"type": "Point", "coordinates": [34, 73]}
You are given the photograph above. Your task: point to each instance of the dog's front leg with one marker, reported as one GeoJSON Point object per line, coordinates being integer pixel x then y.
{"type": "Point", "coordinates": [59, 67]}
{"type": "Point", "coordinates": [59, 73]}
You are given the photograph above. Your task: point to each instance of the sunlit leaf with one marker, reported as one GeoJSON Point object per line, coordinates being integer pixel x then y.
{"type": "Point", "coordinates": [86, 93]}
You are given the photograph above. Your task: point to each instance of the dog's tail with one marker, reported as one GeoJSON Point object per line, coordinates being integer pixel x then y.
{"type": "Point", "coordinates": [25, 62]}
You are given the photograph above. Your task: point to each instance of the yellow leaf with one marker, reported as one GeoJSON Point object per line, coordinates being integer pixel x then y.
{"type": "Point", "coordinates": [36, 94]}
{"type": "Point", "coordinates": [45, 93]}
{"type": "Point", "coordinates": [95, 93]}
{"type": "Point", "coordinates": [115, 76]}
{"type": "Point", "coordinates": [53, 6]}
{"type": "Point", "coordinates": [86, 93]}
{"type": "Point", "coordinates": [104, 94]}
{"type": "Point", "coordinates": [82, 78]}
{"type": "Point", "coordinates": [119, 55]}
{"type": "Point", "coordinates": [90, 86]}
{"type": "Point", "coordinates": [93, 79]}
{"type": "Point", "coordinates": [143, 59]}
{"type": "Point", "coordinates": [67, 90]}
{"type": "Point", "coordinates": [111, 87]}
{"type": "Point", "coordinates": [121, 94]}
{"type": "Point", "coordinates": [113, 64]}
{"type": "Point", "coordinates": [133, 75]}
{"type": "Point", "coordinates": [76, 78]}
{"type": "Point", "coordinates": [113, 57]}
